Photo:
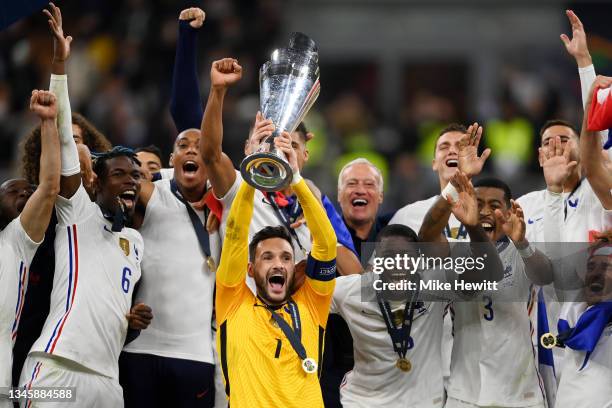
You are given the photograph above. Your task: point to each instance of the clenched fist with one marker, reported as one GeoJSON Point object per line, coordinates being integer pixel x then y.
{"type": "Point", "coordinates": [44, 104]}
{"type": "Point", "coordinates": [225, 73]}
{"type": "Point", "coordinates": [194, 15]}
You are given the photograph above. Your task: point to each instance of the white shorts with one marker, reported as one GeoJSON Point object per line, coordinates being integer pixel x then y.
{"type": "Point", "coordinates": [91, 390]}
{"type": "Point", "coordinates": [455, 403]}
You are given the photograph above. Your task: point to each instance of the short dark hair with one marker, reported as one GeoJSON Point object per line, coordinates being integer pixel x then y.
{"type": "Point", "coordinates": [398, 230]}
{"type": "Point", "coordinates": [453, 127]}
{"type": "Point", "coordinates": [493, 182]}
{"type": "Point", "coordinates": [99, 160]}
{"type": "Point", "coordinates": [558, 122]}
{"type": "Point", "coordinates": [267, 233]}
{"type": "Point", "coordinates": [151, 149]}
{"type": "Point", "coordinates": [301, 129]}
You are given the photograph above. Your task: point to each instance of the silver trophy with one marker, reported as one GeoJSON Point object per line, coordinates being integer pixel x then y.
{"type": "Point", "coordinates": [289, 86]}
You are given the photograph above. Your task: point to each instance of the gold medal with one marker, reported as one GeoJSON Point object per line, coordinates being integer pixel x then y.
{"type": "Point", "coordinates": [398, 317]}
{"type": "Point", "coordinates": [403, 364]}
{"type": "Point", "coordinates": [309, 365]}
{"type": "Point", "coordinates": [210, 262]}
{"type": "Point", "coordinates": [548, 340]}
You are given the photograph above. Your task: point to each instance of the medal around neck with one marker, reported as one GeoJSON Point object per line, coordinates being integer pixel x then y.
{"type": "Point", "coordinates": [548, 341]}
{"type": "Point", "coordinates": [289, 86]}
{"type": "Point", "coordinates": [210, 262]}
{"type": "Point", "coordinates": [309, 365]}
{"type": "Point", "coordinates": [403, 364]}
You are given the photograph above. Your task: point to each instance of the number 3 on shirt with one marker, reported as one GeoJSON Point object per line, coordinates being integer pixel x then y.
{"type": "Point", "coordinates": [488, 315]}
{"type": "Point", "coordinates": [125, 280]}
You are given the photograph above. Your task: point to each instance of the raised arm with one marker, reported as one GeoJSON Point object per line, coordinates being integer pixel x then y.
{"type": "Point", "coordinates": [36, 214]}
{"type": "Point", "coordinates": [537, 265]}
{"type": "Point", "coordinates": [591, 157]}
{"type": "Point", "coordinates": [324, 242]}
{"type": "Point", "coordinates": [185, 100]}
{"type": "Point", "coordinates": [219, 167]}
{"type": "Point", "coordinates": [235, 254]}
{"type": "Point", "coordinates": [70, 167]}
{"type": "Point", "coordinates": [578, 48]}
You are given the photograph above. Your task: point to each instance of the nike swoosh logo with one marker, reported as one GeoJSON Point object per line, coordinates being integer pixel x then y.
{"type": "Point", "coordinates": [530, 221]}
{"type": "Point", "coordinates": [201, 394]}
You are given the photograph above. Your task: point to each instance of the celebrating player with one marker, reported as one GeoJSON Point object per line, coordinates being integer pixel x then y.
{"type": "Point", "coordinates": [24, 217]}
{"type": "Point", "coordinates": [404, 362]}
{"type": "Point", "coordinates": [177, 350]}
{"type": "Point", "coordinates": [267, 361]}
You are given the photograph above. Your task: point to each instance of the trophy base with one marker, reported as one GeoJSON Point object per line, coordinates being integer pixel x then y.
{"type": "Point", "coordinates": [266, 172]}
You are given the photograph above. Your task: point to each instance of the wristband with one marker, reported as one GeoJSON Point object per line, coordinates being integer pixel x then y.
{"type": "Point", "coordinates": [296, 178]}
{"type": "Point", "coordinates": [450, 191]}
{"type": "Point", "coordinates": [526, 252]}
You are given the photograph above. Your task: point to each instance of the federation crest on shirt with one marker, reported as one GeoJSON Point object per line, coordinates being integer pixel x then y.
{"type": "Point", "coordinates": [124, 244]}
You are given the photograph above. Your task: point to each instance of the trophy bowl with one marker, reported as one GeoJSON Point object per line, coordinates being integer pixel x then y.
{"type": "Point", "coordinates": [289, 86]}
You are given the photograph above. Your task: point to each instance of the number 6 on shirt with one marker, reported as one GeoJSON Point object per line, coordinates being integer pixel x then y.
{"type": "Point", "coordinates": [125, 280]}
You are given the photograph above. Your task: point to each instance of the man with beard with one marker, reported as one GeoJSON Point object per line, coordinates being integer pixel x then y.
{"type": "Point", "coordinates": [24, 217]}
{"type": "Point", "coordinates": [172, 363]}
{"type": "Point", "coordinates": [495, 332]}
{"type": "Point", "coordinates": [97, 266]}
{"type": "Point", "coordinates": [270, 345]}
{"type": "Point", "coordinates": [387, 375]}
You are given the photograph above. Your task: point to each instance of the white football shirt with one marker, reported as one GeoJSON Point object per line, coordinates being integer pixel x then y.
{"type": "Point", "coordinates": [16, 253]}
{"type": "Point", "coordinates": [375, 380]}
{"type": "Point", "coordinates": [493, 361]}
{"type": "Point", "coordinates": [177, 282]}
{"type": "Point", "coordinates": [583, 214]}
{"type": "Point", "coordinates": [96, 270]}
{"type": "Point", "coordinates": [588, 386]}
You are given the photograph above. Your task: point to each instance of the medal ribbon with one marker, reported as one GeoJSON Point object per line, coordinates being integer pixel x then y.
{"type": "Point", "coordinates": [195, 221]}
{"type": "Point", "coordinates": [400, 337]}
{"type": "Point", "coordinates": [294, 336]}
{"type": "Point", "coordinates": [284, 219]}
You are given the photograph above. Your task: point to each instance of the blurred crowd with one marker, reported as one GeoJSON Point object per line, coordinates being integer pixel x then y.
{"type": "Point", "coordinates": [121, 70]}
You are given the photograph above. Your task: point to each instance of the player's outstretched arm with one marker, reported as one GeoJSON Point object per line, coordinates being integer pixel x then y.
{"type": "Point", "coordinates": [36, 214]}
{"type": "Point", "coordinates": [221, 174]}
{"type": "Point", "coordinates": [70, 167]}
{"type": "Point", "coordinates": [185, 102]}
{"type": "Point", "coordinates": [235, 254]}
{"type": "Point", "coordinates": [591, 156]}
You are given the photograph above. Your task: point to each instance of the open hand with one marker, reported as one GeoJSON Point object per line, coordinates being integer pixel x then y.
{"type": "Point", "coordinates": [469, 162]}
{"type": "Point", "coordinates": [513, 223]}
{"type": "Point", "coordinates": [465, 208]}
{"type": "Point", "coordinates": [61, 44]}
{"type": "Point", "coordinates": [555, 161]}
{"type": "Point", "coordinates": [577, 46]}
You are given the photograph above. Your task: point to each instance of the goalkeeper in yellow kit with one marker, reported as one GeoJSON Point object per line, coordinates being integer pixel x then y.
{"type": "Point", "coordinates": [270, 345]}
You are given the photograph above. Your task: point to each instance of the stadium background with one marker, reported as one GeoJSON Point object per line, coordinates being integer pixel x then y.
{"type": "Point", "coordinates": [393, 72]}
